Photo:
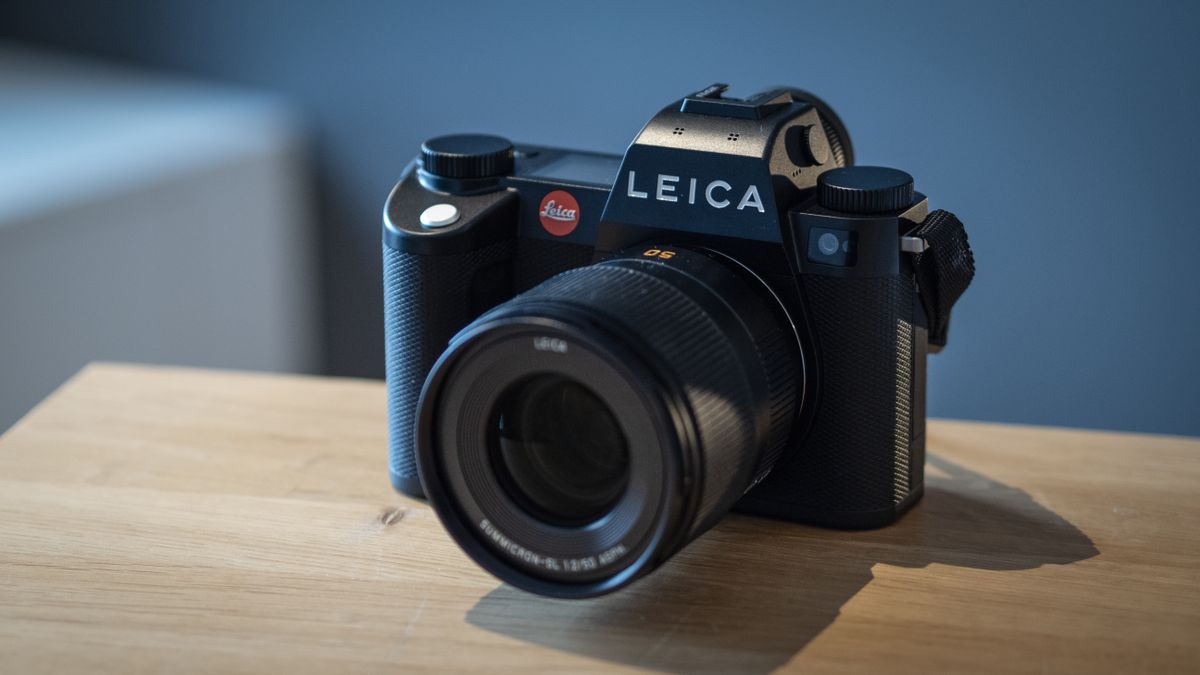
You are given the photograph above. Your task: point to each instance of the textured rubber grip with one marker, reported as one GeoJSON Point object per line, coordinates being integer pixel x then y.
{"type": "Point", "coordinates": [860, 454]}
{"type": "Point", "coordinates": [944, 270]}
{"type": "Point", "coordinates": [427, 299]}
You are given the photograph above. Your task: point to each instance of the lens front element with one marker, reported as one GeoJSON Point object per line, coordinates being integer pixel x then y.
{"type": "Point", "coordinates": [559, 450]}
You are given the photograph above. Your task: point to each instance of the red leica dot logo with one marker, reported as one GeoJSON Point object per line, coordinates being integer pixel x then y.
{"type": "Point", "coordinates": [559, 213]}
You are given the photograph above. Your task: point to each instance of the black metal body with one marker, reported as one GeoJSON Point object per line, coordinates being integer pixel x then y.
{"type": "Point", "coordinates": [737, 177]}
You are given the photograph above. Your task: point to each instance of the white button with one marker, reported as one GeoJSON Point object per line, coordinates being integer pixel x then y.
{"type": "Point", "coordinates": [439, 215]}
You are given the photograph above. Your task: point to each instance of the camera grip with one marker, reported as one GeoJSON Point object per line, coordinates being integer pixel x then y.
{"type": "Point", "coordinates": [871, 390]}
{"type": "Point", "coordinates": [862, 461]}
{"type": "Point", "coordinates": [427, 299]}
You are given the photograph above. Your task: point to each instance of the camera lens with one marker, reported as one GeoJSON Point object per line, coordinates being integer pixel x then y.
{"type": "Point", "coordinates": [573, 438]}
{"type": "Point", "coordinates": [561, 451]}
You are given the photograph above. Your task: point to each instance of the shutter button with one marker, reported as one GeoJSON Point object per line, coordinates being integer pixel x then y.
{"type": "Point", "coordinates": [439, 215]}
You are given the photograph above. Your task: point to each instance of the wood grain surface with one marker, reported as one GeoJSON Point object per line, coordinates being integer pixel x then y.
{"type": "Point", "coordinates": [164, 519]}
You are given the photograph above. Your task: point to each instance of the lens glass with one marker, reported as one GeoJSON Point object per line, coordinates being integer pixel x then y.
{"type": "Point", "coordinates": [559, 450]}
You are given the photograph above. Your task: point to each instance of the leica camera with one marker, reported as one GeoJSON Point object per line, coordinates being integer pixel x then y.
{"type": "Point", "coordinates": [592, 358]}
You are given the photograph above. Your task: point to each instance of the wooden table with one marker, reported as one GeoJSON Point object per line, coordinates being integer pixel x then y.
{"type": "Point", "coordinates": [168, 519]}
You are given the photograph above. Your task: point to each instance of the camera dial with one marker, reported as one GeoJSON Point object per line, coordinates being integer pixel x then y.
{"type": "Point", "coordinates": [865, 189]}
{"type": "Point", "coordinates": [467, 156]}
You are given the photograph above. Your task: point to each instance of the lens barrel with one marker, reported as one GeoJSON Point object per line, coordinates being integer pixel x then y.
{"type": "Point", "coordinates": [576, 436]}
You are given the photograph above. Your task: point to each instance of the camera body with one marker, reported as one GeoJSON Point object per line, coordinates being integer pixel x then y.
{"type": "Point", "coordinates": [475, 222]}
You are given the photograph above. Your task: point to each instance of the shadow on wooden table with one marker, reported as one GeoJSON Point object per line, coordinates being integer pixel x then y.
{"type": "Point", "coordinates": [752, 592]}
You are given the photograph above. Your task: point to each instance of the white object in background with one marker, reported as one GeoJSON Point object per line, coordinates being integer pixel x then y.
{"type": "Point", "coordinates": [147, 219]}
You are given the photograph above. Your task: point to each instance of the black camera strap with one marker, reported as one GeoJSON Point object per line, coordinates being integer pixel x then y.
{"type": "Point", "coordinates": [944, 270]}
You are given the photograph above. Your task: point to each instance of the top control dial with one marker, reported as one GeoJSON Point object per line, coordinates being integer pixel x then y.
{"type": "Point", "coordinates": [467, 156]}
{"type": "Point", "coordinates": [865, 189]}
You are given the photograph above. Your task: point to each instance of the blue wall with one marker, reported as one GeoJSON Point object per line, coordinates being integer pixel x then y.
{"type": "Point", "coordinates": [1062, 135]}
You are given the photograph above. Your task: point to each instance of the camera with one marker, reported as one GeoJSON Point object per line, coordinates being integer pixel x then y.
{"type": "Point", "coordinates": [592, 358]}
